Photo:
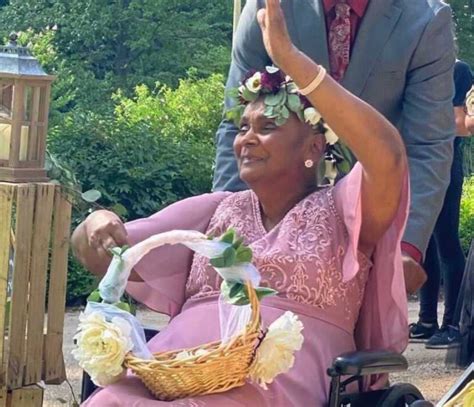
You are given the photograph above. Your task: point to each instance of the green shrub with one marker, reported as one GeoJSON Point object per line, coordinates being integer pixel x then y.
{"type": "Point", "coordinates": [466, 225]}
{"type": "Point", "coordinates": [80, 283]}
{"type": "Point", "coordinates": [156, 149]}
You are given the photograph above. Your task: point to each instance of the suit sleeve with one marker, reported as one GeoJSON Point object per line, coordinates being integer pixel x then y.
{"type": "Point", "coordinates": [427, 125]}
{"type": "Point", "coordinates": [248, 52]}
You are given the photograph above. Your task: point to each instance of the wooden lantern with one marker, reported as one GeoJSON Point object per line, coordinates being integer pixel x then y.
{"type": "Point", "coordinates": [24, 105]}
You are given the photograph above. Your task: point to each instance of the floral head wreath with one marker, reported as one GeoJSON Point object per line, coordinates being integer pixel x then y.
{"type": "Point", "coordinates": [281, 97]}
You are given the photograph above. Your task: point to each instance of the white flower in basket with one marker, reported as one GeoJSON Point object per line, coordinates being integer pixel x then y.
{"type": "Point", "coordinates": [102, 346]}
{"type": "Point", "coordinates": [275, 355]}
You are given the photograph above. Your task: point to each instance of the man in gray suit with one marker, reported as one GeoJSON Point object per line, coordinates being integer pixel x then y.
{"type": "Point", "coordinates": [401, 62]}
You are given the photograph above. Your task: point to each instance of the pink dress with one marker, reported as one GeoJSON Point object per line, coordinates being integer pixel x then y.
{"type": "Point", "coordinates": [345, 301]}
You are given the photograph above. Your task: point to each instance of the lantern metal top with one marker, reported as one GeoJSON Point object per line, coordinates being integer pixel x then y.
{"type": "Point", "coordinates": [16, 61]}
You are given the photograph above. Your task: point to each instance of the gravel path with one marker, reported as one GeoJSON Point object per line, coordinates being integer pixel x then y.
{"type": "Point", "coordinates": [427, 370]}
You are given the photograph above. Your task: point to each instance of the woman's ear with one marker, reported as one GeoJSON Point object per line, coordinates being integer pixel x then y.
{"type": "Point", "coordinates": [317, 145]}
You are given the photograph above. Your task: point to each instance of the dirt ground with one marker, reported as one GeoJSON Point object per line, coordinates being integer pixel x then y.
{"type": "Point", "coordinates": [427, 369]}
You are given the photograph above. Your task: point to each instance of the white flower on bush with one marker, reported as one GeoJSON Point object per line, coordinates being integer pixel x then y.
{"type": "Point", "coordinates": [311, 116]}
{"type": "Point", "coordinates": [275, 354]}
{"type": "Point", "coordinates": [331, 137]}
{"type": "Point", "coordinates": [254, 83]}
{"type": "Point", "coordinates": [102, 346]}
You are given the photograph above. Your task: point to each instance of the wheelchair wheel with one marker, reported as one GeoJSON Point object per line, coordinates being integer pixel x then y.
{"type": "Point", "coordinates": [400, 395]}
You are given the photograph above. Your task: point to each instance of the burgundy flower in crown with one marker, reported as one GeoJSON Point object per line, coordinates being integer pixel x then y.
{"type": "Point", "coordinates": [271, 80]}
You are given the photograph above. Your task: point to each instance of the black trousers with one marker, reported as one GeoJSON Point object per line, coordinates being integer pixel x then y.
{"type": "Point", "coordinates": [444, 257]}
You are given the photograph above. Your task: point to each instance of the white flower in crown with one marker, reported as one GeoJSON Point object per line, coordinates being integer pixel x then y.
{"type": "Point", "coordinates": [254, 83]}
{"type": "Point", "coordinates": [102, 346]}
{"type": "Point", "coordinates": [470, 102]}
{"type": "Point", "coordinates": [331, 137]}
{"type": "Point", "coordinates": [311, 116]}
{"type": "Point", "coordinates": [275, 354]}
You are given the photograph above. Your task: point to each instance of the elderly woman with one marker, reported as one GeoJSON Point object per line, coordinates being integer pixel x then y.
{"type": "Point", "coordinates": [332, 253]}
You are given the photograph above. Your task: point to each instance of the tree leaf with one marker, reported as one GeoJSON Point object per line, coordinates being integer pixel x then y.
{"type": "Point", "coordinates": [92, 195]}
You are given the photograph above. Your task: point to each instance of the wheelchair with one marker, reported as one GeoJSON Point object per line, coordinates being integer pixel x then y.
{"type": "Point", "coordinates": [346, 369]}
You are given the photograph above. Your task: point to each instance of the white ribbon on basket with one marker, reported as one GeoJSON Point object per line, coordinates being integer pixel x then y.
{"type": "Point", "coordinates": [233, 319]}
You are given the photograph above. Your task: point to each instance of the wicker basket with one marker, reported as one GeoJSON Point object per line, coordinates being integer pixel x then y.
{"type": "Point", "coordinates": [224, 367]}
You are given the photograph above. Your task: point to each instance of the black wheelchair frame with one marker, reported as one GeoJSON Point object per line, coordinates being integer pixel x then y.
{"type": "Point", "coordinates": [346, 369]}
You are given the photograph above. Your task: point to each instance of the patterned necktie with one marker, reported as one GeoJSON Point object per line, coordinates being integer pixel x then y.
{"type": "Point", "coordinates": [340, 40]}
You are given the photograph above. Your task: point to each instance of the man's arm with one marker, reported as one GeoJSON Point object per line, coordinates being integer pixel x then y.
{"type": "Point", "coordinates": [427, 125]}
{"type": "Point", "coordinates": [248, 53]}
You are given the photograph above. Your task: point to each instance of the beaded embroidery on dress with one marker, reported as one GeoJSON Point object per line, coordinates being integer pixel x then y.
{"type": "Point", "coordinates": [301, 257]}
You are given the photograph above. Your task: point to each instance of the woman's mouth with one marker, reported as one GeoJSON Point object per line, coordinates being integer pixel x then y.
{"type": "Point", "coordinates": [246, 160]}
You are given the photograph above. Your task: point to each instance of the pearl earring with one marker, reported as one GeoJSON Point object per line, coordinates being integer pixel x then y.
{"type": "Point", "coordinates": [308, 163]}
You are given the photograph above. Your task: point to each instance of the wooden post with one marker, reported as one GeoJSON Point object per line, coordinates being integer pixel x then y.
{"type": "Point", "coordinates": [31, 347]}
{"type": "Point", "coordinates": [25, 201]}
{"type": "Point", "coordinates": [31, 396]}
{"type": "Point", "coordinates": [39, 267]}
{"type": "Point", "coordinates": [53, 353]}
{"type": "Point", "coordinates": [6, 203]}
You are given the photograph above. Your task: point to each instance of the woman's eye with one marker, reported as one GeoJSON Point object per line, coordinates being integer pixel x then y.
{"type": "Point", "coordinates": [244, 128]}
{"type": "Point", "coordinates": [269, 127]}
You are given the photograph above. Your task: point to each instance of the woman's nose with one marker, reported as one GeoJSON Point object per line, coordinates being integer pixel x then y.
{"type": "Point", "coordinates": [249, 137]}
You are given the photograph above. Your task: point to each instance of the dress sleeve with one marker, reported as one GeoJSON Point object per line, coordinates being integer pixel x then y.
{"type": "Point", "coordinates": [383, 318]}
{"type": "Point", "coordinates": [165, 269]}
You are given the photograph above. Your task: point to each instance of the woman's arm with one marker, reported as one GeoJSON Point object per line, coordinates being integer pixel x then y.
{"type": "Point", "coordinates": [374, 141]}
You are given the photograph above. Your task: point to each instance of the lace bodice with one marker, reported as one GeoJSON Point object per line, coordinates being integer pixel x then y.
{"type": "Point", "coordinates": [301, 257]}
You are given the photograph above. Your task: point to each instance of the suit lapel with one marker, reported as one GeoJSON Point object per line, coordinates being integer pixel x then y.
{"type": "Point", "coordinates": [310, 31]}
{"type": "Point", "coordinates": [375, 29]}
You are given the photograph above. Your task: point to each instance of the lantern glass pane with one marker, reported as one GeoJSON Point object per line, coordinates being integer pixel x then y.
{"type": "Point", "coordinates": [5, 136]}
{"type": "Point", "coordinates": [28, 103]}
{"type": "Point", "coordinates": [6, 99]}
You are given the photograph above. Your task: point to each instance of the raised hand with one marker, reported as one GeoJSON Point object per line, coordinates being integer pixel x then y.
{"type": "Point", "coordinates": [275, 34]}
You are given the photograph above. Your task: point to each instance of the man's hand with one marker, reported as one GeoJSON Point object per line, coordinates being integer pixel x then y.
{"type": "Point", "coordinates": [415, 275]}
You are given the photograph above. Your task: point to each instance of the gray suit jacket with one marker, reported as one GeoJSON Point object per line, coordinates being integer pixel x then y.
{"type": "Point", "coordinates": [401, 63]}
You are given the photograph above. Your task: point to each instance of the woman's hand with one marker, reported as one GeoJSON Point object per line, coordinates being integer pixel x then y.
{"type": "Point", "coordinates": [104, 230]}
{"type": "Point", "coordinates": [92, 239]}
{"type": "Point", "coordinates": [275, 34]}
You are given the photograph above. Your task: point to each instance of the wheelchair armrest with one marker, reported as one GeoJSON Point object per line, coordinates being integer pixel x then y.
{"type": "Point", "coordinates": [363, 363]}
{"type": "Point", "coordinates": [150, 332]}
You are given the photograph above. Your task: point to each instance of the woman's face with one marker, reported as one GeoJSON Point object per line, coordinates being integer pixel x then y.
{"type": "Point", "coordinates": [267, 152]}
